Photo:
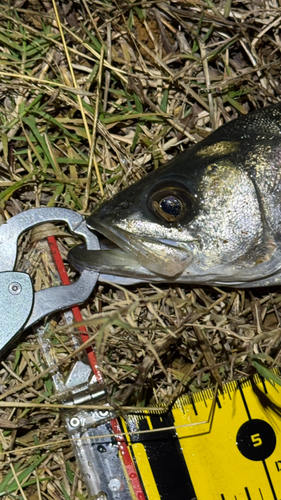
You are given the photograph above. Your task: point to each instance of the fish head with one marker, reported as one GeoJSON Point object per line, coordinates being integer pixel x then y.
{"type": "Point", "coordinates": [147, 219]}
{"type": "Point", "coordinates": [185, 218]}
{"type": "Point", "coordinates": [202, 217]}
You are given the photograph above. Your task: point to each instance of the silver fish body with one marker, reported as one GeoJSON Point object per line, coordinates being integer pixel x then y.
{"type": "Point", "coordinates": [212, 215]}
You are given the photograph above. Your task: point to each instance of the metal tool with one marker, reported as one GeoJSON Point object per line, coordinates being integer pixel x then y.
{"type": "Point", "coordinates": [105, 463]}
{"type": "Point", "coordinates": [20, 307]}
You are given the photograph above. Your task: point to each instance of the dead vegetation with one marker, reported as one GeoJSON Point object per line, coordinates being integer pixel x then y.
{"type": "Point", "coordinates": [94, 95]}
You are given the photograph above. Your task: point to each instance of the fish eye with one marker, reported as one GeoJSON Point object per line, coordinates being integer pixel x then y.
{"type": "Point", "coordinates": [171, 204]}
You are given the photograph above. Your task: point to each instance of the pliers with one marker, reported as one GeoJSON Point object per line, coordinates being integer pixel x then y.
{"type": "Point", "coordinates": [22, 307]}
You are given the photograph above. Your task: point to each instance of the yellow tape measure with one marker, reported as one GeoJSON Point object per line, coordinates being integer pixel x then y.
{"type": "Point", "coordinates": [230, 453]}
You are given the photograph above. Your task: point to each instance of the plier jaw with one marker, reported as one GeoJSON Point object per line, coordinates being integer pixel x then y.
{"type": "Point", "coordinates": [20, 306]}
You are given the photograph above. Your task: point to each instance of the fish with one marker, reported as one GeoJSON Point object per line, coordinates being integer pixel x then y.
{"type": "Point", "coordinates": [210, 216]}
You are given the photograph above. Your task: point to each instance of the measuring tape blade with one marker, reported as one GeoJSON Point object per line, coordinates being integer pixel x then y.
{"type": "Point", "coordinates": [227, 449]}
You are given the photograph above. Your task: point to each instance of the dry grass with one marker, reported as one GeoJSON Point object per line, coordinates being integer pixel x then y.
{"type": "Point", "coordinates": [93, 96]}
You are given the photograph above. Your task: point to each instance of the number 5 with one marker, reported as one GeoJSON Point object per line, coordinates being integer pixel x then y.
{"type": "Point", "coordinates": [256, 440]}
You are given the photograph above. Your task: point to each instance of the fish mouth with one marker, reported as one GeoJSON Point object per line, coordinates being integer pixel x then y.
{"type": "Point", "coordinates": [135, 254]}
{"type": "Point", "coordinates": [136, 258]}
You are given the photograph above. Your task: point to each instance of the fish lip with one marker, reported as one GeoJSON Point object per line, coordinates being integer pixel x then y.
{"type": "Point", "coordinates": [168, 258]}
{"type": "Point", "coordinates": [118, 236]}
{"type": "Point", "coordinates": [109, 232]}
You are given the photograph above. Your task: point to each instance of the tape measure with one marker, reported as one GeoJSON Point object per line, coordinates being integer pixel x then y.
{"type": "Point", "coordinates": [205, 449]}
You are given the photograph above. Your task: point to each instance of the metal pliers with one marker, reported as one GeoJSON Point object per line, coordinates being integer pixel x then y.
{"type": "Point", "coordinates": [20, 306]}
